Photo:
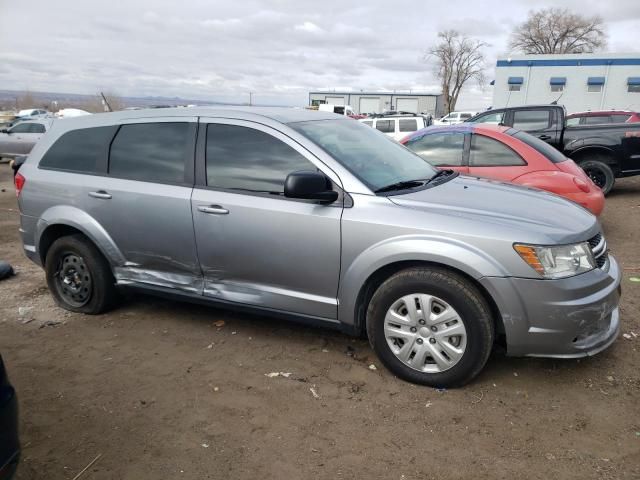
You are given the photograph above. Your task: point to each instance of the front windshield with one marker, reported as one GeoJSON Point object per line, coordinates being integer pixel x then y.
{"type": "Point", "coordinates": [374, 158]}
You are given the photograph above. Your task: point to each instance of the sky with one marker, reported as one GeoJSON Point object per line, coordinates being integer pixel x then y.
{"type": "Point", "coordinates": [279, 50]}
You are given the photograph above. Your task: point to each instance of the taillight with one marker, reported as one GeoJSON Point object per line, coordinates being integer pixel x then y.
{"type": "Point", "coordinates": [581, 184]}
{"type": "Point", "coordinates": [19, 182]}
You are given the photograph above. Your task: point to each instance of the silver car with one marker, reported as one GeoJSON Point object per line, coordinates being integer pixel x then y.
{"type": "Point", "coordinates": [321, 219]}
{"type": "Point", "coordinates": [20, 139]}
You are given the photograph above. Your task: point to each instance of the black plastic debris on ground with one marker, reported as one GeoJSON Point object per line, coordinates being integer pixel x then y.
{"type": "Point", "coordinates": [6, 270]}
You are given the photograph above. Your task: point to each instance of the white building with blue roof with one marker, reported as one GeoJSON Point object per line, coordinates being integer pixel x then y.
{"type": "Point", "coordinates": [580, 82]}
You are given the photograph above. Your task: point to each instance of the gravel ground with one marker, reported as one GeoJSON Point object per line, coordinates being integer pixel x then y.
{"type": "Point", "coordinates": [164, 390]}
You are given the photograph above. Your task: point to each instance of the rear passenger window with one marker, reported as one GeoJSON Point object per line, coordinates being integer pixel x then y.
{"type": "Point", "coordinates": [596, 119]}
{"type": "Point", "coordinates": [242, 158]}
{"type": "Point", "coordinates": [386, 126]}
{"type": "Point", "coordinates": [79, 150]}
{"type": "Point", "coordinates": [151, 152]}
{"type": "Point", "coordinates": [408, 125]}
{"type": "Point", "coordinates": [37, 128]}
{"type": "Point", "coordinates": [487, 152]}
{"type": "Point", "coordinates": [529, 120]}
{"type": "Point", "coordinates": [368, 122]}
{"type": "Point", "coordinates": [620, 118]}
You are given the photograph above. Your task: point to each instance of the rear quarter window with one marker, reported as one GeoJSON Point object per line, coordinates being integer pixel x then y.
{"type": "Point", "coordinates": [540, 145]}
{"type": "Point", "coordinates": [408, 125]}
{"type": "Point", "coordinates": [79, 150]}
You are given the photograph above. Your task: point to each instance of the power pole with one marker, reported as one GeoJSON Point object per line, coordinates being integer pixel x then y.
{"type": "Point", "coordinates": [250, 98]}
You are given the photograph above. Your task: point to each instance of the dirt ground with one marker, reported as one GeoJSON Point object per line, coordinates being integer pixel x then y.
{"type": "Point", "coordinates": [158, 391]}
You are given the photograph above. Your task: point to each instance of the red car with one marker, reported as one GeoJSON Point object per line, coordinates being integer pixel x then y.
{"type": "Point", "coordinates": [602, 117]}
{"type": "Point", "coordinates": [504, 153]}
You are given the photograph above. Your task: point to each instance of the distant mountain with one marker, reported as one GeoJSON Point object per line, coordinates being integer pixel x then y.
{"type": "Point", "coordinates": [64, 99]}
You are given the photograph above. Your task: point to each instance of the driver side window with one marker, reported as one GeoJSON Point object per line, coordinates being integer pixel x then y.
{"type": "Point", "coordinates": [243, 158]}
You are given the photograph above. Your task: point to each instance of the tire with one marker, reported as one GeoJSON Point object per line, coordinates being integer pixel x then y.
{"type": "Point", "coordinates": [599, 172]}
{"type": "Point", "coordinates": [447, 293]}
{"type": "Point", "coordinates": [90, 286]}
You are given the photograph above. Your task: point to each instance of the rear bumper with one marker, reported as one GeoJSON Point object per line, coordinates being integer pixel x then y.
{"type": "Point", "coordinates": [567, 318]}
{"type": "Point", "coordinates": [28, 226]}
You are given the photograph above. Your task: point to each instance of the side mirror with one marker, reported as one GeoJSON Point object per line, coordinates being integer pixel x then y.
{"type": "Point", "coordinates": [309, 185]}
{"type": "Point", "coordinates": [4, 130]}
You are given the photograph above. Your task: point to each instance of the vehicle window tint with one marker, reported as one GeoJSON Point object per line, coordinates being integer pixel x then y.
{"type": "Point", "coordinates": [151, 152]}
{"type": "Point", "coordinates": [386, 126]}
{"type": "Point", "coordinates": [22, 128]}
{"type": "Point", "coordinates": [528, 120]}
{"type": "Point", "coordinates": [244, 158]}
{"type": "Point", "coordinates": [79, 150]}
{"type": "Point", "coordinates": [464, 116]}
{"type": "Point", "coordinates": [620, 118]}
{"type": "Point", "coordinates": [596, 119]}
{"type": "Point", "coordinates": [439, 149]}
{"type": "Point", "coordinates": [573, 122]}
{"type": "Point", "coordinates": [540, 145]}
{"type": "Point", "coordinates": [408, 125]}
{"type": "Point", "coordinates": [368, 122]}
{"type": "Point", "coordinates": [37, 128]}
{"type": "Point", "coordinates": [487, 152]}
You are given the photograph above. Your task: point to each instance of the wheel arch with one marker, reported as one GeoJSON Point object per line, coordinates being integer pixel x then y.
{"type": "Point", "coordinates": [67, 220]}
{"type": "Point", "coordinates": [374, 280]}
{"type": "Point", "coordinates": [582, 154]}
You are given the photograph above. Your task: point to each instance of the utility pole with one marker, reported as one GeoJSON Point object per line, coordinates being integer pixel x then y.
{"type": "Point", "coordinates": [250, 98]}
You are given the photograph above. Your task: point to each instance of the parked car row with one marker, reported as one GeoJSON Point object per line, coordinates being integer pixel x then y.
{"type": "Point", "coordinates": [604, 151]}
{"type": "Point", "coordinates": [506, 154]}
{"type": "Point", "coordinates": [335, 224]}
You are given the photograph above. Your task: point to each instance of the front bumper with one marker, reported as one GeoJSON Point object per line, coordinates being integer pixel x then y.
{"type": "Point", "coordinates": [567, 318]}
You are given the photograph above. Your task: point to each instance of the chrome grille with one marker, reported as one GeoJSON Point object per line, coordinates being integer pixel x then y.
{"type": "Point", "coordinates": [599, 249]}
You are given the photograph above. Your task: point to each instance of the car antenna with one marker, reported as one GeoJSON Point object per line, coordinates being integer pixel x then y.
{"type": "Point", "coordinates": [555, 102]}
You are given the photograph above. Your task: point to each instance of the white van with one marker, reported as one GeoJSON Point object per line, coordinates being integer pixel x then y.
{"type": "Point", "coordinates": [339, 109]}
{"type": "Point", "coordinates": [454, 118]}
{"type": "Point", "coordinates": [397, 127]}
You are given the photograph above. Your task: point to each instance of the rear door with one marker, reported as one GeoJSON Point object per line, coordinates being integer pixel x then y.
{"type": "Point", "coordinates": [143, 201]}
{"type": "Point", "coordinates": [539, 122]}
{"type": "Point", "coordinates": [407, 126]}
{"type": "Point", "coordinates": [256, 246]}
{"type": "Point", "coordinates": [444, 150]}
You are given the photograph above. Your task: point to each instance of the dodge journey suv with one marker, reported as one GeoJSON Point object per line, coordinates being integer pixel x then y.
{"type": "Point", "coordinates": [315, 217]}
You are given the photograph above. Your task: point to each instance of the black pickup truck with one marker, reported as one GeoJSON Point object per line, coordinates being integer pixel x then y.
{"type": "Point", "coordinates": [605, 152]}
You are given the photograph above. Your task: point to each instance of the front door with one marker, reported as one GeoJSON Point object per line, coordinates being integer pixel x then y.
{"type": "Point", "coordinates": [255, 246]}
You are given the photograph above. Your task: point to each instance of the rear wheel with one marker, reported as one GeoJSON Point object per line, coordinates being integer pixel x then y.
{"type": "Point", "coordinates": [79, 277]}
{"type": "Point", "coordinates": [430, 326]}
{"type": "Point", "coordinates": [599, 172]}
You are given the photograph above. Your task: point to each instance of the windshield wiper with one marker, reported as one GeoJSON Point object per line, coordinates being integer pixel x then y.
{"type": "Point", "coordinates": [440, 174]}
{"type": "Point", "coordinates": [402, 185]}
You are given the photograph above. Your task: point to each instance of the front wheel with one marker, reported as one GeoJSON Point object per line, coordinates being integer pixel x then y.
{"type": "Point", "coordinates": [430, 326]}
{"type": "Point", "coordinates": [600, 173]}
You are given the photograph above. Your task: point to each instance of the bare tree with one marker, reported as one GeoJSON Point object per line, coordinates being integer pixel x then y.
{"type": "Point", "coordinates": [557, 30]}
{"type": "Point", "coordinates": [459, 59]}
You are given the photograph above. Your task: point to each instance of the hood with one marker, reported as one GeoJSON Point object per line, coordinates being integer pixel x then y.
{"type": "Point", "coordinates": [545, 216]}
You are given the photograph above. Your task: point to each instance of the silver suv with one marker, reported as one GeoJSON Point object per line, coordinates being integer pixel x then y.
{"type": "Point", "coordinates": [322, 219]}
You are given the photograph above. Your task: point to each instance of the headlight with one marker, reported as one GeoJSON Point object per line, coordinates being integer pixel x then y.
{"type": "Point", "coordinates": [559, 261]}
